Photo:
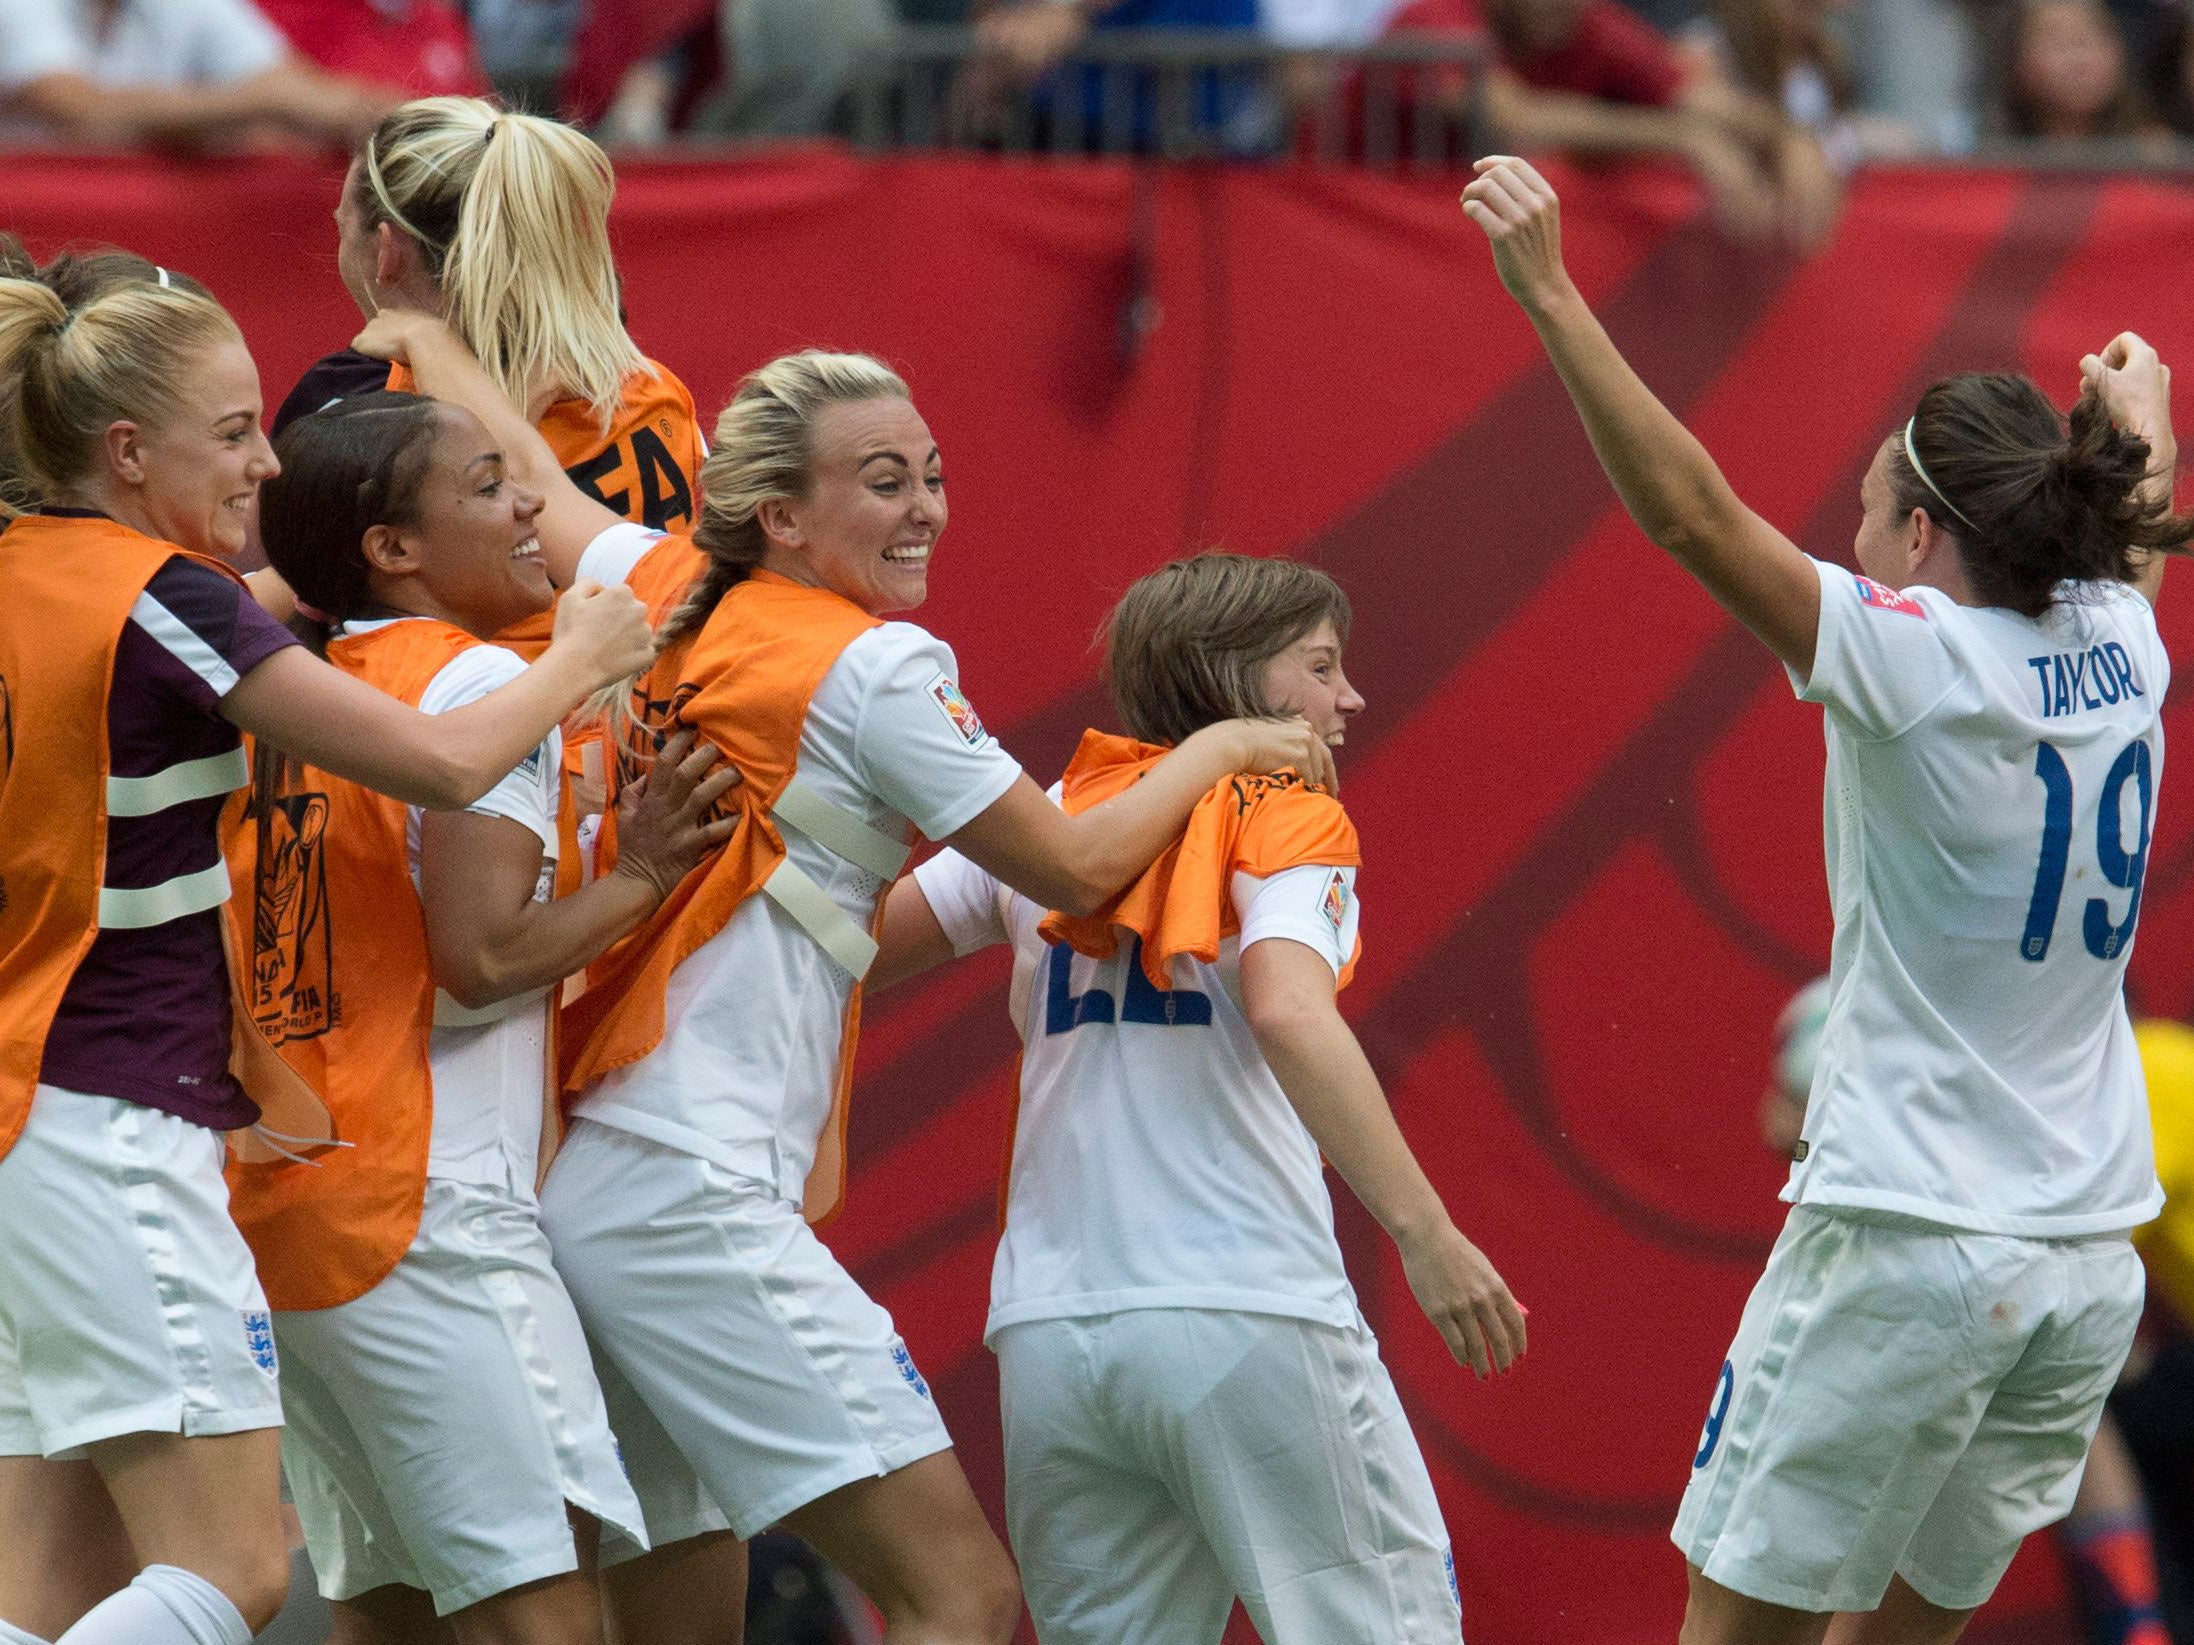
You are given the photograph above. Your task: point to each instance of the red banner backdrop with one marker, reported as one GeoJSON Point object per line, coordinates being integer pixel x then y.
{"type": "Point", "coordinates": [1590, 806]}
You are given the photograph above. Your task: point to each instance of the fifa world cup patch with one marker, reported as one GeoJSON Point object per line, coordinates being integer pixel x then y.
{"type": "Point", "coordinates": [905, 1361]}
{"type": "Point", "coordinates": [1334, 902]}
{"type": "Point", "coordinates": [1884, 598]}
{"type": "Point", "coordinates": [945, 693]}
{"type": "Point", "coordinates": [259, 1338]}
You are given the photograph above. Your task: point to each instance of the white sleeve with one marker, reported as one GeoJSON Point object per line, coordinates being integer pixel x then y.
{"type": "Point", "coordinates": [1881, 661]}
{"type": "Point", "coordinates": [42, 37]}
{"type": "Point", "coordinates": [532, 793]}
{"type": "Point", "coordinates": [609, 559]}
{"type": "Point", "coordinates": [1313, 904]}
{"type": "Point", "coordinates": [968, 902]}
{"type": "Point", "coordinates": [231, 40]}
{"type": "Point", "coordinates": [919, 745]}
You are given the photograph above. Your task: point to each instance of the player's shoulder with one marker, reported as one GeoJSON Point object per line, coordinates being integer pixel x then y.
{"type": "Point", "coordinates": [1285, 817]}
{"type": "Point", "coordinates": [343, 375]}
{"type": "Point", "coordinates": [471, 673]}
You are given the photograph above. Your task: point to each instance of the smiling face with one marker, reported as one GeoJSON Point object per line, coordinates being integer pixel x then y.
{"type": "Point", "coordinates": [874, 508]}
{"type": "Point", "coordinates": [473, 558]}
{"type": "Point", "coordinates": [1306, 679]}
{"type": "Point", "coordinates": [197, 472]}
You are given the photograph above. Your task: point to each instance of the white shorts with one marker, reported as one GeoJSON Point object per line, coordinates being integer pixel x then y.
{"type": "Point", "coordinates": [439, 1424]}
{"type": "Point", "coordinates": [128, 1301]}
{"type": "Point", "coordinates": [1903, 1400]}
{"type": "Point", "coordinates": [1162, 1462]}
{"type": "Point", "coordinates": [770, 1371]}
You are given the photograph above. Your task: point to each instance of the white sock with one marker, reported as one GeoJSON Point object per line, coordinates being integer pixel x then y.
{"type": "Point", "coordinates": [10, 1634]}
{"type": "Point", "coordinates": [166, 1605]}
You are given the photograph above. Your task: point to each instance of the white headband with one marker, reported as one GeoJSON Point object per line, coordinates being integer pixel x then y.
{"type": "Point", "coordinates": [1912, 456]}
{"type": "Point", "coordinates": [163, 274]}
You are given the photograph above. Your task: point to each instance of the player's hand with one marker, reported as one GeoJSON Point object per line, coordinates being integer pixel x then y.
{"type": "Point", "coordinates": [1523, 220]}
{"type": "Point", "coordinates": [393, 332]}
{"type": "Point", "coordinates": [2134, 386]}
{"type": "Point", "coordinates": [664, 821]}
{"type": "Point", "coordinates": [1281, 744]}
{"type": "Point", "coordinates": [1466, 1300]}
{"type": "Point", "coordinates": [605, 630]}
{"type": "Point", "coordinates": [1032, 38]}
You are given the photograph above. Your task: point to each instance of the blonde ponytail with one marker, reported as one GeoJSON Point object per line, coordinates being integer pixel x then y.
{"type": "Point", "coordinates": [764, 447]}
{"type": "Point", "coordinates": [65, 377]}
{"type": "Point", "coordinates": [511, 213]}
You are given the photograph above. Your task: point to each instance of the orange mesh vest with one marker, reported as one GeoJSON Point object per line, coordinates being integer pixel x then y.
{"type": "Point", "coordinates": [342, 983]}
{"type": "Point", "coordinates": [743, 682]}
{"type": "Point", "coordinates": [644, 467]}
{"type": "Point", "coordinates": [1181, 904]}
{"type": "Point", "coordinates": [70, 584]}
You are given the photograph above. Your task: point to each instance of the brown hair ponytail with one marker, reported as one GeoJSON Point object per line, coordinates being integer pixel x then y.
{"type": "Point", "coordinates": [2033, 498]}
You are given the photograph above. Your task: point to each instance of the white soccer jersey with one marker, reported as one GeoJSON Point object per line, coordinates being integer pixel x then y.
{"type": "Point", "coordinates": [1990, 796]}
{"type": "Point", "coordinates": [1156, 1161]}
{"type": "Point", "coordinates": [748, 1062]}
{"type": "Point", "coordinates": [490, 1067]}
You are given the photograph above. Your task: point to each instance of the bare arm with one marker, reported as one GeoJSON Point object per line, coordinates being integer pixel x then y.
{"type": "Point", "coordinates": [1738, 190]}
{"type": "Point", "coordinates": [445, 369]}
{"type": "Point", "coordinates": [2135, 388]}
{"type": "Point", "coordinates": [290, 94]}
{"type": "Point", "coordinates": [1288, 995]}
{"type": "Point", "coordinates": [491, 939]}
{"type": "Point", "coordinates": [320, 714]}
{"type": "Point", "coordinates": [910, 942]}
{"type": "Point", "coordinates": [1077, 863]}
{"type": "Point", "coordinates": [1664, 476]}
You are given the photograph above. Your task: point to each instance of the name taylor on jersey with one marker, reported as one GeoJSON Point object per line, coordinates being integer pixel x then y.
{"type": "Point", "coordinates": [2072, 680]}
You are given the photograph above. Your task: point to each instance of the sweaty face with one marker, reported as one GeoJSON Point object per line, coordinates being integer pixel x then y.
{"type": "Point", "coordinates": [475, 549]}
{"type": "Point", "coordinates": [1306, 679]}
{"type": "Point", "coordinates": [354, 249]}
{"type": "Point", "coordinates": [203, 466]}
{"type": "Point", "coordinates": [1885, 537]}
{"type": "Point", "coordinates": [874, 510]}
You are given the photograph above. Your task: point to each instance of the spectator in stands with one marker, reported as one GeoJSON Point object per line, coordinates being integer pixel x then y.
{"type": "Point", "coordinates": [723, 68]}
{"type": "Point", "coordinates": [2066, 74]}
{"type": "Point", "coordinates": [2175, 79]}
{"type": "Point", "coordinates": [788, 64]}
{"type": "Point", "coordinates": [420, 47]}
{"type": "Point", "coordinates": [188, 71]}
{"type": "Point", "coordinates": [1590, 78]}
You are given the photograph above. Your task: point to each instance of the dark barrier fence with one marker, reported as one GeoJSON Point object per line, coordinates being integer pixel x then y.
{"type": "Point", "coordinates": [1590, 806]}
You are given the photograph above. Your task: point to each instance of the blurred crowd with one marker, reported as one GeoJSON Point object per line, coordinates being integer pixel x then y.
{"type": "Point", "coordinates": [1769, 102]}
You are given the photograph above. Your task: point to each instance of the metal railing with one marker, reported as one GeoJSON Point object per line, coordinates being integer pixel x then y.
{"type": "Point", "coordinates": [1175, 94]}
{"type": "Point", "coordinates": [1182, 94]}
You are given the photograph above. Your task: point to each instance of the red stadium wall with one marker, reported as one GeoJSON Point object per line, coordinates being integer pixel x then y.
{"type": "Point", "coordinates": [1591, 808]}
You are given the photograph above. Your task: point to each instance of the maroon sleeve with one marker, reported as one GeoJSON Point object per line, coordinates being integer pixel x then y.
{"type": "Point", "coordinates": [1629, 60]}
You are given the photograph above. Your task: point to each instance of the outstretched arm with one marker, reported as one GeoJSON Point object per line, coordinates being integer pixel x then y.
{"type": "Point", "coordinates": [1664, 476]}
{"type": "Point", "coordinates": [1076, 863]}
{"type": "Point", "coordinates": [1288, 995]}
{"type": "Point", "coordinates": [444, 369]}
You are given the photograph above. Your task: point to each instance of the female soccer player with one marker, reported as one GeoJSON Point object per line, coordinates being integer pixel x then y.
{"type": "Point", "coordinates": [1194, 1408]}
{"type": "Point", "coordinates": [500, 223]}
{"type": "Point", "coordinates": [441, 1408]}
{"type": "Point", "coordinates": [711, 1055]}
{"type": "Point", "coordinates": [131, 1326]}
{"type": "Point", "coordinates": [1918, 1373]}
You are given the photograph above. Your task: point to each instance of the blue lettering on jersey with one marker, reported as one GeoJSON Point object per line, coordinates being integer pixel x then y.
{"type": "Point", "coordinates": [2094, 678]}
